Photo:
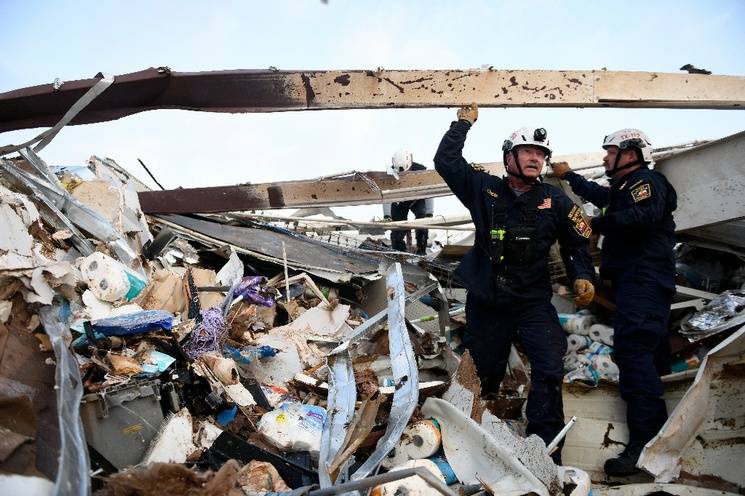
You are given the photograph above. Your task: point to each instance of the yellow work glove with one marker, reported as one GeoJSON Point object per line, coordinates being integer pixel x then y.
{"type": "Point", "coordinates": [560, 169]}
{"type": "Point", "coordinates": [584, 292]}
{"type": "Point", "coordinates": [468, 113]}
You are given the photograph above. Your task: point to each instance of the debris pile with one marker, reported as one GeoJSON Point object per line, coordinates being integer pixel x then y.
{"type": "Point", "coordinates": [225, 354]}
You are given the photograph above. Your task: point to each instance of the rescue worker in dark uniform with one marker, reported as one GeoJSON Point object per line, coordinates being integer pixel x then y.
{"type": "Point", "coordinates": [637, 259]}
{"type": "Point", "coordinates": [517, 218]}
{"type": "Point", "coordinates": [403, 161]}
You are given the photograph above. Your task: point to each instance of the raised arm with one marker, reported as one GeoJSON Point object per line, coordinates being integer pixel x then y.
{"type": "Point", "coordinates": [449, 162]}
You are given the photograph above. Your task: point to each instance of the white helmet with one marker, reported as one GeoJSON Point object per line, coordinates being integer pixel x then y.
{"type": "Point", "coordinates": [402, 160]}
{"type": "Point", "coordinates": [630, 138]}
{"type": "Point", "coordinates": [528, 136]}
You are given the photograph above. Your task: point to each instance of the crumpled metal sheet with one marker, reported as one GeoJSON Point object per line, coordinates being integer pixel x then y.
{"type": "Point", "coordinates": [477, 457]}
{"type": "Point", "coordinates": [705, 406]}
{"type": "Point", "coordinates": [52, 214]}
{"type": "Point", "coordinates": [342, 397]}
{"type": "Point", "coordinates": [376, 320]}
{"type": "Point", "coordinates": [68, 212]}
{"type": "Point", "coordinates": [405, 373]}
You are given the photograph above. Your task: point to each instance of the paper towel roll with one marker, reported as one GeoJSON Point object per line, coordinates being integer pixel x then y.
{"type": "Point", "coordinates": [421, 439]}
{"type": "Point", "coordinates": [576, 342]}
{"type": "Point", "coordinates": [575, 360]}
{"type": "Point", "coordinates": [597, 348]}
{"type": "Point", "coordinates": [602, 333]}
{"type": "Point", "coordinates": [605, 367]}
{"type": "Point", "coordinates": [570, 361]}
{"type": "Point", "coordinates": [577, 323]}
{"type": "Point", "coordinates": [223, 368]}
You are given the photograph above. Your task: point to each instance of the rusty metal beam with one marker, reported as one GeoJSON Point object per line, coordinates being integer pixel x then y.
{"type": "Point", "coordinates": [361, 188]}
{"type": "Point", "coordinates": [273, 91]}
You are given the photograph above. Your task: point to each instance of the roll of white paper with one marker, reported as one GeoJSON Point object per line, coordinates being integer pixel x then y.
{"type": "Point", "coordinates": [577, 342]}
{"type": "Point", "coordinates": [605, 367]}
{"type": "Point", "coordinates": [602, 333]}
{"type": "Point", "coordinates": [421, 440]}
{"type": "Point", "coordinates": [578, 323]}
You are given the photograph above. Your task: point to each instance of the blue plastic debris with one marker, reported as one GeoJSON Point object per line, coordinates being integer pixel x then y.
{"type": "Point", "coordinates": [226, 416]}
{"type": "Point", "coordinates": [248, 354]}
{"type": "Point", "coordinates": [134, 323]}
{"type": "Point", "coordinates": [157, 363]}
{"type": "Point", "coordinates": [445, 469]}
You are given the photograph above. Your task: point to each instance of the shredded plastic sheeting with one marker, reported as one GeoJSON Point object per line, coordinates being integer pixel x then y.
{"type": "Point", "coordinates": [723, 312]}
{"type": "Point", "coordinates": [135, 323]}
{"type": "Point", "coordinates": [253, 289]}
{"type": "Point", "coordinates": [208, 335]}
{"type": "Point", "coordinates": [72, 474]}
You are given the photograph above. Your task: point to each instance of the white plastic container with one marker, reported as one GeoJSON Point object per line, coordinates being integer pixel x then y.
{"type": "Point", "coordinates": [294, 427]}
{"type": "Point", "coordinates": [109, 280]}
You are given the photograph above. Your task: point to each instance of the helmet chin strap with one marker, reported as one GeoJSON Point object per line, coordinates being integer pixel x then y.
{"type": "Point", "coordinates": [520, 173]}
{"type": "Point", "coordinates": [616, 168]}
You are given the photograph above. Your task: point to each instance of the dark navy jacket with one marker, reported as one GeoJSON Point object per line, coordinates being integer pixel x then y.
{"type": "Point", "coordinates": [479, 191]}
{"type": "Point", "coordinates": [637, 223]}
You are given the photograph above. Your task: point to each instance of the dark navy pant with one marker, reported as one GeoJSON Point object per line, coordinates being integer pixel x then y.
{"type": "Point", "coordinates": [642, 350]}
{"type": "Point", "coordinates": [490, 333]}
{"type": "Point", "coordinates": [400, 211]}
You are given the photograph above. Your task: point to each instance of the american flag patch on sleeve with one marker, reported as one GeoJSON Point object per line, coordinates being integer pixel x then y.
{"type": "Point", "coordinates": [546, 204]}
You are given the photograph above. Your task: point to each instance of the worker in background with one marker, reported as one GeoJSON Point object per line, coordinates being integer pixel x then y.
{"type": "Point", "coordinates": [402, 161]}
{"type": "Point", "coordinates": [637, 259]}
{"type": "Point", "coordinates": [517, 218]}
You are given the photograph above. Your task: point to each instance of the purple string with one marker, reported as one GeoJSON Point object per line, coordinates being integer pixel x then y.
{"type": "Point", "coordinates": [208, 335]}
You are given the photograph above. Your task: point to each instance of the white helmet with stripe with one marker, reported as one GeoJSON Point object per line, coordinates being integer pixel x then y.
{"type": "Point", "coordinates": [630, 138]}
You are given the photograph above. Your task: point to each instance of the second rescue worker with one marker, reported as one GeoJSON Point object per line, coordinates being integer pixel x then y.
{"type": "Point", "coordinates": [506, 273]}
{"type": "Point", "coordinates": [637, 260]}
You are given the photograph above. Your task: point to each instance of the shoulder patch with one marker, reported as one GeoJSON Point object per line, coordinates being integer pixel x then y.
{"type": "Point", "coordinates": [637, 183]}
{"type": "Point", "coordinates": [579, 223]}
{"type": "Point", "coordinates": [641, 192]}
{"type": "Point", "coordinates": [546, 203]}
{"type": "Point", "coordinates": [478, 168]}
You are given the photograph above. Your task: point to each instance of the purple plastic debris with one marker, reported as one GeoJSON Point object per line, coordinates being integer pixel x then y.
{"type": "Point", "coordinates": [250, 289]}
{"type": "Point", "coordinates": [208, 335]}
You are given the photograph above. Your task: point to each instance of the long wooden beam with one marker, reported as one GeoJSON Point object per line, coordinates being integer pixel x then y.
{"type": "Point", "coordinates": [273, 91]}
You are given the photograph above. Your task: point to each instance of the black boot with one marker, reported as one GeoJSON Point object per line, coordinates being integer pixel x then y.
{"type": "Point", "coordinates": [625, 463]}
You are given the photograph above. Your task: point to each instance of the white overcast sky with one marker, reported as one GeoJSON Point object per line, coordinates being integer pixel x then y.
{"type": "Point", "coordinates": [41, 41]}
